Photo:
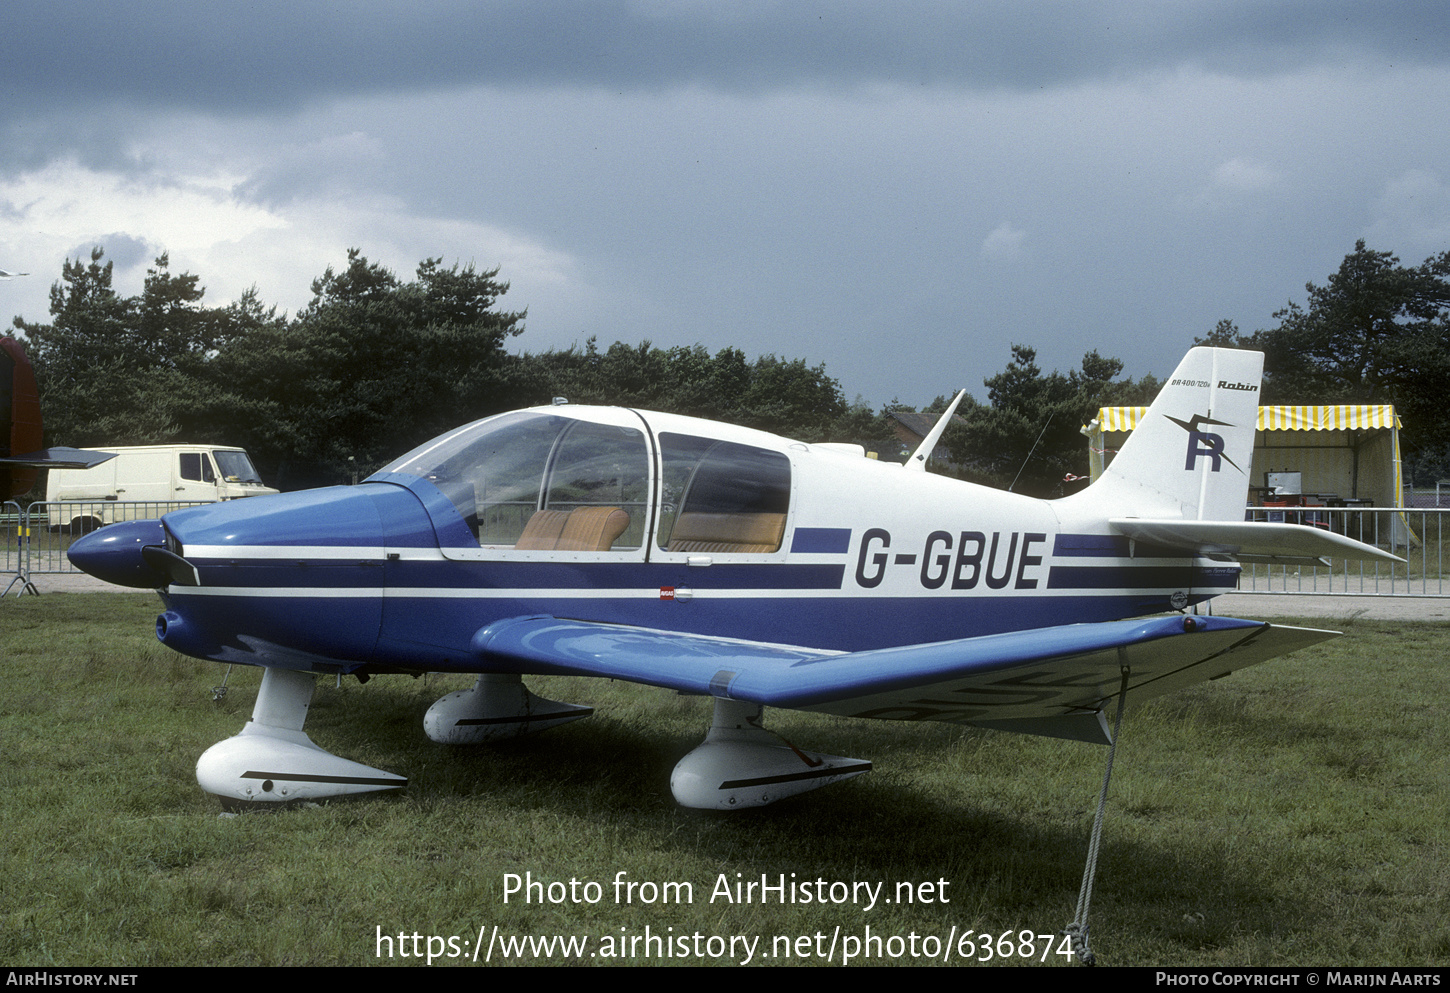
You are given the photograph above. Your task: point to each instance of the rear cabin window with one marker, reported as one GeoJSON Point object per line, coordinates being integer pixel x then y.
{"type": "Point", "coordinates": [719, 496]}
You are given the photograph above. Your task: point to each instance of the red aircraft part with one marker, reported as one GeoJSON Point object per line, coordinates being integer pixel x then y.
{"type": "Point", "coordinates": [20, 428]}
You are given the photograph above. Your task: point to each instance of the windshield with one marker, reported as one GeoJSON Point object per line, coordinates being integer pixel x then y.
{"type": "Point", "coordinates": [235, 467]}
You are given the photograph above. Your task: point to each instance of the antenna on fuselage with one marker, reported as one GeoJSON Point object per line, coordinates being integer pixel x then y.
{"type": "Point", "coordinates": [1030, 451]}
{"type": "Point", "coordinates": [923, 451]}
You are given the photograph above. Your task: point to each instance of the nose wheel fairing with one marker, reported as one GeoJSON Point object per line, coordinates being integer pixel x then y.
{"type": "Point", "coordinates": [273, 762]}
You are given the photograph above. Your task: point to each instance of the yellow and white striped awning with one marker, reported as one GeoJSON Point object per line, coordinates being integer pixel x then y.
{"type": "Point", "coordinates": [1326, 417]}
{"type": "Point", "coordinates": [1119, 418]}
{"type": "Point", "coordinates": [1329, 417]}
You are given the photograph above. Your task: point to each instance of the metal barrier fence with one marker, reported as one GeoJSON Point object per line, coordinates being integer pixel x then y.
{"type": "Point", "coordinates": [37, 537]}
{"type": "Point", "coordinates": [1416, 535]}
{"type": "Point", "coordinates": [12, 556]}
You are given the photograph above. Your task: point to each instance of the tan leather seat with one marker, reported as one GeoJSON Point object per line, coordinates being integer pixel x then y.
{"type": "Point", "coordinates": [592, 529]}
{"type": "Point", "coordinates": [584, 529]}
{"type": "Point", "coordinates": [543, 530]}
{"type": "Point", "coordinates": [697, 532]}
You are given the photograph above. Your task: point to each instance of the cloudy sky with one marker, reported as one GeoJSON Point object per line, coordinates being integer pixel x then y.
{"type": "Point", "coordinates": [900, 191]}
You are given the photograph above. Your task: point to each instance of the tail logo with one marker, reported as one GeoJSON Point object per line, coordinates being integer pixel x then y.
{"type": "Point", "coordinates": [1204, 443]}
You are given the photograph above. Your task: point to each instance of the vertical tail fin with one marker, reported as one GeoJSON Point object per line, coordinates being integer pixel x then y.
{"type": "Point", "coordinates": [1191, 454]}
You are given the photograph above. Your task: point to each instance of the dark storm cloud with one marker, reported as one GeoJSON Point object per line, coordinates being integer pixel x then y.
{"type": "Point", "coordinates": [257, 56]}
{"type": "Point", "coordinates": [968, 175]}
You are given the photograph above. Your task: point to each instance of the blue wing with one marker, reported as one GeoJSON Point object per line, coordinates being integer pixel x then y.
{"type": "Point", "coordinates": [1055, 681]}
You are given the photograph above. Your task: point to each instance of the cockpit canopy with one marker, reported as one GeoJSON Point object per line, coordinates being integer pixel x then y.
{"type": "Point", "coordinates": [538, 480]}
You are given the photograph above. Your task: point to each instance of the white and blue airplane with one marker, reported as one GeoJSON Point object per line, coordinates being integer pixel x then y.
{"type": "Point", "coordinates": [724, 562]}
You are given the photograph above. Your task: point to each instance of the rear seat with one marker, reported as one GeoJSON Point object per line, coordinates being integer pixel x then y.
{"type": "Point", "coordinates": [703, 532]}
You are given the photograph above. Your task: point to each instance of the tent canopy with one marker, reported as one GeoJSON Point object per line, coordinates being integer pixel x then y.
{"type": "Point", "coordinates": [1348, 451]}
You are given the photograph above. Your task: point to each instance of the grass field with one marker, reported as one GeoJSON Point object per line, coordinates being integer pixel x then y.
{"type": "Point", "coordinates": [1294, 813]}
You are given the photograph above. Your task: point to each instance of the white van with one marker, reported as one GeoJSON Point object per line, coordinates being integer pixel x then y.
{"type": "Point", "coordinates": [141, 482]}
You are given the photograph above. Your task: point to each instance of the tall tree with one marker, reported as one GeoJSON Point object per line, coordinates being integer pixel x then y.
{"type": "Point", "coordinates": [110, 367]}
{"type": "Point", "coordinates": [372, 366]}
{"type": "Point", "coordinates": [1376, 332]}
{"type": "Point", "coordinates": [785, 396]}
{"type": "Point", "coordinates": [1028, 437]}
{"type": "Point", "coordinates": [1367, 331]}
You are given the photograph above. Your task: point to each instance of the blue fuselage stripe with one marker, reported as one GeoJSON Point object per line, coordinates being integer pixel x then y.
{"type": "Point", "coordinates": [543, 576]}
{"type": "Point", "coordinates": [826, 540]}
{"type": "Point", "coordinates": [1112, 546]}
{"type": "Point", "coordinates": [1110, 577]}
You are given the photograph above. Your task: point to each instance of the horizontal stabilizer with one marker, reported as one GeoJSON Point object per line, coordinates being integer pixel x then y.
{"type": "Point", "coordinates": [1261, 541]}
{"type": "Point", "coordinates": [1003, 680]}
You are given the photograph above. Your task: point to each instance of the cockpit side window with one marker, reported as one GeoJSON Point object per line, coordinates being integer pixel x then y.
{"type": "Point", "coordinates": [539, 482]}
{"type": "Point", "coordinates": [719, 496]}
{"type": "Point", "coordinates": [595, 470]}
